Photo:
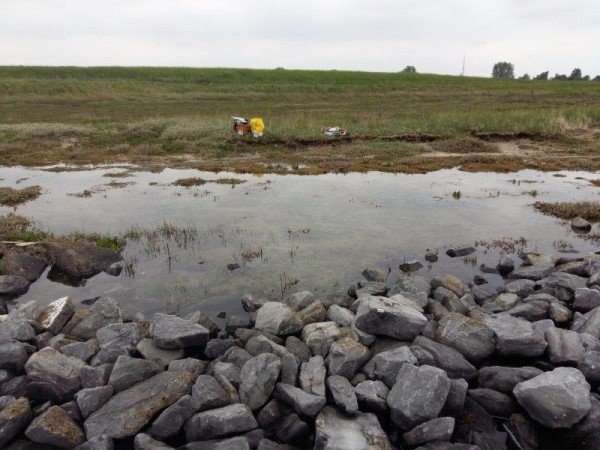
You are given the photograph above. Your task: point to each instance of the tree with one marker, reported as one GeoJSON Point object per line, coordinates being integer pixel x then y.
{"type": "Point", "coordinates": [525, 77]}
{"type": "Point", "coordinates": [576, 74]}
{"type": "Point", "coordinates": [542, 76]}
{"type": "Point", "coordinates": [503, 70]}
{"type": "Point", "coordinates": [409, 69]}
{"type": "Point", "coordinates": [560, 77]}
{"type": "Point", "coordinates": [597, 78]}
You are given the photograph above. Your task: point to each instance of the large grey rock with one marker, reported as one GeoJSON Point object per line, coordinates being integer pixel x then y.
{"type": "Point", "coordinates": [217, 347]}
{"type": "Point", "coordinates": [95, 376]}
{"type": "Point", "coordinates": [13, 419]}
{"type": "Point", "coordinates": [80, 260]}
{"type": "Point", "coordinates": [588, 323]}
{"type": "Point", "coordinates": [103, 442]}
{"type": "Point", "coordinates": [192, 365]}
{"type": "Point", "coordinates": [146, 398]}
{"type": "Point", "coordinates": [115, 340]}
{"type": "Point", "coordinates": [278, 319]}
{"type": "Point", "coordinates": [343, 317]}
{"type": "Point", "coordinates": [13, 356]}
{"type": "Point", "coordinates": [451, 283]}
{"type": "Point", "coordinates": [531, 311]}
{"type": "Point", "coordinates": [160, 356]}
{"type": "Point", "coordinates": [586, 299]}
{"type": "Point", "coordinates": [144, 442]}
{"type": "Point", "coordinates": [226, 373]}
{"type": "Point", "coordinates": [82, 350]}
{"type": "Point", "coordinates": [471, 338]}
{"type": "Point", "coordinates": [170, 421]}
{"type": "Point", "coordinates": [251, 303]}
{"type": "Point", "coordinates": [23, 265]}
{"type": "Point", "coordinates": [447, 359]}
{"type": "Point", "coordinates": [261, 344]}
{"type": "Point", "coordinates": [53, 376]}
{"type": "Point", "coordinates": [504, 379]}
{"type": "Point", "coordinates": [205, 320]}
{"type": "Point", "coordinates": [335, 431]}
{"type": "Point", "coordinates": [521, 288]}
{"type": "Point", "coordinates": [55, 428]}
{"type": "Point", "coordinates": [207, 393]}
{"type": "Point", "coordinates": [289, 370]}
{"type": "Point", "coordinates": [232, 419]}
{"type": "Point", "coordinates": [515, 337]}
{"type": "Point", "coordinates": [382, 316]}
{"type": "Point", "coordinates": [495, 403]}
{"type": "Point", "coordinates": [172, 332]}
{"type": "Point", "coordinates": [456, 397]}
{"type": "Point", "coordinates": [556, 399]}
{"type": "Point", "coordinates": [589, 365]}
{"type": "Point", "coordinates": [320, 336]}
{"type": "Point", "coordinates": [13, 285]}
{"type": "Point", "coordinates": [91, 399]}
{"type": "Point", "coordinates": [384, 366]}
{"type": "Point", "coordinates": [564, 346]}
{"type": "Point", "coordinates": [298, 348]}
{"type": "Point", "coordinates": [299, 300]}
{"type": "Point", "coordinates": [372, 396]}
{"type": "Point", "coordinates": [564, 284]}
{"type": "Point", "coordinates": [56, 315]}
{"type": "Point", "coordinates": [258, 378]}
{"type": "Point", "coordinates": [303, 403]}
{"type": "Point", "coordinates": [312, 376]}
{"type": "Point", "coordinates": [436, 430]}
{"type": "Point", "coordinates": [315, 312]}
{"type": "Point", "coordinates": [18, 329]}
{"type": "Point", "coordinates": [104, 311]}
{"type": "Point", "coordinates": [346, 357]}
{"type": "Point", "coordinates": [343, 394]}
{"type": "Point", "coordinates": [127, 371]}
{"type": "Point", "coordinates": [418, 395]}
{"type": "Point", "coordinates": [534, 273]}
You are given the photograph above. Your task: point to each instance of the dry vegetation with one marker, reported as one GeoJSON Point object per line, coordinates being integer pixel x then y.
{"type": "Point", "coordinates": [569, 210]}
{"type": "Point", "coordinates": [13, 197]}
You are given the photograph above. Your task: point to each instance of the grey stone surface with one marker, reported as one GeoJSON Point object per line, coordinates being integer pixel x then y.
{"type": "Point", "coordinates": [95, 376]}
{"type": "Point", "coordinates": [372, 274]}
{"type": "Point", "coordinates": [343, 317]}
{"type": "Point", "coordinates": [446, 358]}
{"type": "Point", "coordinates": [588, 323]}
{"type": "Point", "coordinates": [382, 316]}
{"type": "Point", "coordinates": [564, 284]}
{"type": "Point", "coordinates": [227, 373]}
{"type": "Point", "coordinates": [586, 299]}
{"type": "Point", "coordinates": [471, 338]}
{"type": "Point", "coordinates": [91, 399]}
{"type": "Point", "coordinates": [315, 312]}
{"type": "Point", "coordinates": [531, 311]}
{"type": "Point", "coordinates": [460, 250]}
{"type": "Point", "coordinates": [217, 347]}
{"type": "Point", "coordinates": [55, 428]}
{"type": "Point", "coordinates": [115, 340]}
{"type": "Point", "coordinates": [495, 403]}
{"type": "Point", "coordinates": [278, 319]}
{"type": "Point", "coordinates": [258, 378]}
{"type": "Point", "coordinates": [56, 315]}
{"type": "Point", "coordinates": [13, 356]}
{"type": "Point", "coordinates": [289, 369]}
{"type": "Point", "coordinates": [172, 332]}
{"type": "Point", "coordinates": [207, 393]}
{"type": "Point", "coordinates": [589, 365]}
{"type": "Point", "coordinates": [128, 371]}
{"type": "Point", "coordinates": [18, 329]}
{"type": "Point", "coordinates": [82, 350]}
{"type": "Point", "coordinates": [13, 419]}
{"type": "Point", "coordinates": [564, 346]}
{"type": "Point", "coordinates": [303, 403]}
{"type": "Point", "coordinates": [456, 397]}
{"type": "Point", "coordinates": [555, 399]}
{"type": "Point", "coordinates": [251, 303]}
{"type": "Point", "coordinates": [516, 337]}
{"type": "Point", "coordinates": [299, 300]}
{"type": "Point", "coordinates": [298, 348]}
{"type": "Point", "coordinates": [418, 395]}
{"type": "Point", "coordinates": [521, 288]}
{"type": "Point", "coordinates": [221, 422]}
{"type": "Point", "coordinates": [534, 273]}
{"type": "Point", "coordinates": [435, 430]}
{"type": "Point", "coordinates": [320, 336]}
{"type": "Point", "coordinates": [343, 394]}
{"type": "Point", "coordinates": [384, 366]}
{"type": "Point", "coordinates": [13, 285]}
{"type": "Point", "coordinates": [97, 443]}
{"type": "Point", "coordinates": [451, 283]}
{"type": "Point", "coordinates": [192, 365]}
{"type": "Point", "coordinates": [103, 312]}
{"type": "Point", "coordinates": [505, 265]}
{"type": "Point", "coordinates": [346, 357]}
{"type": "Point", "coordinates": [372, 396]}
{"type": "Point", "coordinates": [172, 419]}
{"type": "Point", "coordinates": [143, 441]}
{"type": "Point", "coordinates": [504, 379]}
{"type": "Point", "coordinates": [160, 356]}
{"type": "Point", "coordinates": [559, 313]}
{"type": "Point", "coordinates": [261, 344]}
{"type": "Point", "coordinates": [23, 265]}
{"type": "Point", "coordinates": [293, 430]}
{"type": "Point", "coordinates": [312, 376]}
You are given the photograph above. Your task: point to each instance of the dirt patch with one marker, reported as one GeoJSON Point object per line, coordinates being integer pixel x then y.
{"type": "Point", "coordinates": [569, 210]}
{"type": "Point", "coordinates": [13, 197]}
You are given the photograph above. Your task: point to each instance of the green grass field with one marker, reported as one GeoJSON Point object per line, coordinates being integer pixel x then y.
{"type": "Point", "coordinates": [49, 114]}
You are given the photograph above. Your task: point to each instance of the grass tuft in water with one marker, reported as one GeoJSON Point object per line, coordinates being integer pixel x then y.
{"type": "Point", "coordinates": [569, 210]}
{"type": "Point", "coordinates": [13, 197]}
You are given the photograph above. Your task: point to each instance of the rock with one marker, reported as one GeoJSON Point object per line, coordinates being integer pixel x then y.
{"type": "Point", "coordinates": [95, 376]}
{"type": "Point", "coordinates": [372, 397]}
{"type": "Point", "coordinates": [460, 305]}
{"type": "Point", "coordinates": [504, 379]}
{"type": "Point", "coordinates": [56, 315]}
{"type": "Point", "coordinates": [17, 329]}
{"type": "Point", "coordinates": [13, 285]}
{"type": "Point", "coordinates": [580, 224]}
{"type": "Point", "coordinates": [303, 403]}
{"type": "Point", "coordinates": [144, 442]}
{"type": "Point", "coordinates": [373, 275]}
{"type": "Point", "coordinates": [456, 397]}
{"type": "Point", "coordinates": [91, 399]}
{"type": "Point", "coordinates": [564, 284]}
{"type": "Point", "coordinates": [589, 365]}
{"type": "Point", "coordinates": [336, 431]}
{"type": "Point", "coordinates": [235, 322]}
{"type": "Point", "coordinates": [418, 395]}
{"type": "Point", "coordinates": [371, 288]}
{"type": "Point", "coordinates": [97, 443]}
{"type": "Point", "coordinates": [506, 265]}
{"type": "Point", "coordinates": [115, 269]}
{"type": "Point", "coordinates": [146, 398]}
{"type": "Point", "coordinates": [251, 304]}
{"type": "Point", "coordinates": [447, 359]}
{"type": "Point", "coordinates": [289, 370]}
{"type": "Point", "coordinates": [460, 250]}
{"type": "Point", "coordinates": [411, 266]}
{"type": "Point", "coordinates": [13, 356]}
{"type": "Point", "coordinates": [564, 346]}
{"type": "Point", "coordinates": [81, 350]}
{"type": "Point", "coordinates": [458, 287]}
{"type": "Point", "coordinates": [315, 312]}
{"type": "Point", "coordinates": [312, 376]}
{"type": "Point", "coordinates": [192, 365]}
{"type": "Point", "coordinates": [588, 323]}
{"type": "Point", "coordinates": [53, 376]}
{"type": "Point", "coordinates": [115, 340]}
{"type": "Point", "coordinates": [556, 399]}
{"type": "Point", "coordinates": [23, 265]}
{"type": "Point", "coordinates": [471, 338]}
{"type": "Point", "coordinates": [384, 366]}
{"type": "Point", "coordinates": [260, 344]}
{"type": "Point", "coordinates": [494, 402]}
{"type": "Point", "coordinates": [80, 260]}
{"type": "Point", "coordinates": [172, 419]}
{"type": "Point", "coordinates": [515, 337]}
{"type": "Point", "coordinates": [534, 273]}
{"type": "Point", "coordinates": [203, 319]}
{"type": "Point", "coordinates": [298, 348]}
{"type": "Point", "coordinates": [232, 419]}
{"type": "Point", "coordinates": [216, 347]}
{"type": "Point", "coordinates": [343, 394]}
{"type": "Point", "coordinates": [13, 419]}
{"type": "Point", "coordinates": [531, 311]}
{"type": "Point", "coordinates": [299, 300]}
{"type": "Point", "coordinates": [258, 378]}
{"type": "Point", "coordinates": [524, 431]}
{"type": "Point", "coordinates": [586, 299]}
{"type": "Point", "coordinates": [320, 336]}
{"type": "Point", "coordinates": [431, 257]}
{"type": "Point", "coordinates": [345, 357]}
{"type": "Point", "coordinates": [55, 428]}
{"type": "Point", "coordinates": [207, 394]}
{"type": "Point", "coordinates": [522, 288]}
{"type": "Point", "coordinates": [436, 430]}
{"type": "Point", "coordinates": [160, 356]}
{"type": "Point", "coordinates": [381, 316]}
{"type": "Point", "coordinates": [172, 332]}
{"type": "Point", "coordinates": [293, 430]}
{"type": "Point", "coordinates": [16, 386]}
{"type": "Point", "coordinates": [103, 312]}
{"type": "Point", "coordinates": [237, 356]}
{"type": "Point", "coordinates": [559, 313]}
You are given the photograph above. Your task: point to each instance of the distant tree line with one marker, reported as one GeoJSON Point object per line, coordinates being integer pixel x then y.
{"type": "Point", "coordinates": [505, 69]}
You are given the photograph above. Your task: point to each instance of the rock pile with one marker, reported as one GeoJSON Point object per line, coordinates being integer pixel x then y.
{"type": "Point", "coordinates": [417, 363]}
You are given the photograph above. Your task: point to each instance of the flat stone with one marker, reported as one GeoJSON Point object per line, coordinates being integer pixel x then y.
{"type": "Point", "coordinates": [172, 332]}
{"type": "Point", "coordinates": [586, 299]}
{"type": "Point", "coordinates": [13, 285]}
{"type": "Point", "coordinates": [81, 350]}
{"type": "Point", "coordinates": [521, 288]}
{"type": "Point", "coordinates": [80, 260]}
{"type": "Point", "coordinates": [516, 337]}
{"type": "Point", "coordinates": [278, 319]}
{"type": "Point", "coordinates": [447, 359]}
{"type": "Point", "coordinates": [91, 399]}
{"type": "Point", "coordinates": [451, 283]}
{"type": "Point", "coordinates": [258, 378]}
{"type": "Point", "coordinates": [55, 428]}
{"type": "Point", "coordinates": [160, 356]}
{"type": "Point", "coordinates": [384, 366]}
{"type": "Point", "coordinates": [495, 403]}
{"type": "Point", "coordinates": [564, 346]}
{"type": "Point", "coordinates": [370, 288]}
{"type": "Point", "coordinates": [337, 431]}
{"type": "Point", "coordinates": [232, 419]}
{"type": "Point", "coordinates": [23, 265]}
{"type": "Point", "coordinates": [534, 273]}
{"type": "Point", "coordinates": [234, 322]}
{"type": "Point", "coordinates": [531, 311]}
{"type": "Point", "coordinates": [556, 399]}
{"type": "Point", "coordinates": [303, 403]}
{"type": "Point", "coordinates": [343, 394]}
{"type": "Point", "coordinates": [261, 344]}
{"type": "Point", "coordinates": [116, 340]}
{"type": "Point", "coordinates": [372, 396]}
{"type": "Point", "coordinates": [146, 398]}
{"type": "Point", "coordinates": [312, 376]}
{"type": "Point", "coordinates": [56, 315]}
{"type": "Point", "coordinates": [460, 250]}
{"type": "Point", "coordinates": [436, 430]}
{"type": "Point", "coordinates": [564, 284]}
{"type": "Point", "coordinates": [207, 394]}
{"type": "Point", "coordinates": [103, 312]}
{"type": "Point", "coordinates": [13, 419]}
{"type": "Point", "coordinates": [18, 329]}
{"type": "Point", "coordinates": [346, 357]}
{"type": "Point", "coordinates": [172, 419]}
{"type": "Point", "coordinates": [381, 316]}
{"type": "Point", "coordinates": [588, 323]}
{"type": "Point", "coordinates": [504, 379]}
{"type": "Point", "coordinates": [192, 365]}
{"type": "Point", "coordinates": [299, 300]}
{"type": "Point", "coordinates": [411, 266]}
{"type": "Point", "coordinates": [95, 376]}
{"type": "Point", "coordinates": [471, 338]}
{"type": "Point", "coordinates": [320, 336]}
{"type": "Point", "coordinates": [418, 395]}
{"type": "Point", "coordinates": [13, 356]}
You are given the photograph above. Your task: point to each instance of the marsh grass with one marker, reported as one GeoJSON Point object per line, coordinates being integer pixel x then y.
{"type": "Point", "coordinates": [588, 210]}
{"type": "Point", "coordinates": [13, 197]}
{"type": "Point", "coordinates": [464, 144]}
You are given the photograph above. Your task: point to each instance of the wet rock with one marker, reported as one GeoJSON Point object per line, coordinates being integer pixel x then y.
{"type": "Point", "coordinates": [580, 224]}
{"type": "Point", "coordinates": [91, 399]}
{"type": "Point", "coordinates": [447, 359]}
{"type": "Point", "coordinates": [522, 288]}
{"type": "Point", "coordinates": [418, 395]}
{"type": "Point", "coordinates": [370, 288]}
{"type": "Point", "coordinates": [95, 376]}
{"type": "Point", "coordinates": [299, 300]}
{"type": "Point", "coordinates": [381, 316]}
{"type": "Point", "coordinates": [278, 319]}
{"type": "Point", "coordinates": [172, 332]}
{"type": "Point", "coordinates": [506, 265]}
{"type": "Point", "coordinates": [160, 356]}
{"type": "Point", "coordinates": [13, 285]}
{"type": "Point", "coordinates": [431, 257]}
{"type": "Point", "coordinates": [336, 431]}
{"type": "Point", "coordinates": [13, 419]}
{"type": "Point", "coordinates": [216, 423]}
{"type": "Point", "coordinates": [494, 402]}
{"type": "Point", "coordinates": [341, 316]}
{"type": "Point", "coordinates": [460, 250]}
{"type": "Point", "coordinates": [115, 269]}
{"type": "Point", "coordinates": [588, 323]}
{"type": "Point", "coordinates": [103, 312]}
{"type": "Point", "coordinates": [384, 366]}
{"type": "Point", "coordinates": [172, 419]}
{"type": "Point", "coordinates": [53, 376]}
{"type": "Point", "coordinates": [372, 397]}
{"type": "Point", "coordinates": [564, 346]}
{"type": "Point", "coordinates": [481, 294]}
{"type": "Point", "coordinates": [471, 338]}
{"type": "Point", "coordinates": [516, 337]}
{"type": "Point", "coordinates": [97, 443]}
{"type": "Point", "coordinates": [303, 403]}
{"type": "Point", "coordinates": [13, 356]}
{"type": "Point", "coordinates": [320, 336]}
{"type": "Point", "coordinates": [373, 275]}
{"type": "Point", "coordinates": [80, 260]}
{"type": "Point", "coordinates": [345, 357]}
{"type": "Point", "coordinates": [81, 350]}
{"type": "Point", "coordinates": [343, 394]}
{"type": "Point", "coordinates": [312, 376]}
{"type": "Point", "coordinates": [56, 315]}
{"type": "Point", "coordinates": [23, 265]}
{"type": "Point", "coordinates": [411, 266]}
{"type": "Point", "coordinates": [436, 430]}
{"type": "Point", "coordinates": [460, 305]}
{"type": "Point", "coordinates": [534, 273]}
{"type": "Point", "coordinates": [586, 299]}
{"type": "Point", "coordinates": [146, 398]}
{"type": "Point", "coordinates": [18, 329]}
{"type": "Point", "coordinates": [589, 365]}
{"type": "Point", "coordinates": [55, 428]}
{"type": "Point", "coordinates": [207, 394]}
{"type": "Point", "coordinates": [451, 283]}
{"type": "Point", "coordinates": [258, 378]}
{"type": "Point", "coordinates": [555, 399]}
{"type": "Point", "coordinates": [251, 303]}
{"type": "Point", "coordinates": [315, 312]}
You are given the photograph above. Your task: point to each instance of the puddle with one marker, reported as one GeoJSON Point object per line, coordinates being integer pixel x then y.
{"type": "Point", "coordinates": [287, 232]}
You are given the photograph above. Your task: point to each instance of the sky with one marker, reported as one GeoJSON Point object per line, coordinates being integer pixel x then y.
{"type": "Point", "coordinates": [370, 35]}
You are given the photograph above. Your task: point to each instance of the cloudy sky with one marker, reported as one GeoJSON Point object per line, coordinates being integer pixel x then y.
{"type": "Point", "coordinates": [375, 35]}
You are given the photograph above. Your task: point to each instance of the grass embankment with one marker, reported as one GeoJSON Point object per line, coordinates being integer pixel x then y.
{"type": "Point", "coordinates": [181, 117]}
{"type": "Point", "coordinates": [13, 197]}
{"type": "Point", "coordinates": [569, 210]}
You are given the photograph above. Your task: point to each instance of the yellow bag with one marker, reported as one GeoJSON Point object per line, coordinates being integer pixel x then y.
{"type": "Point", "coordinates": [257, 126]}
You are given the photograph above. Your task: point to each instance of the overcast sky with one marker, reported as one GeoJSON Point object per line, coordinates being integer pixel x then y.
{"type": "Point", "coordinates": [374, 35]}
